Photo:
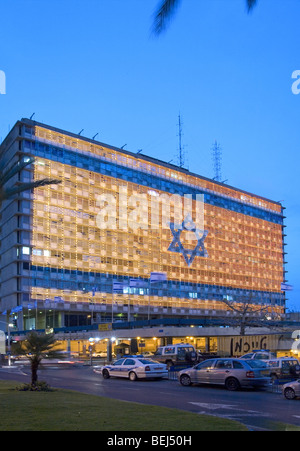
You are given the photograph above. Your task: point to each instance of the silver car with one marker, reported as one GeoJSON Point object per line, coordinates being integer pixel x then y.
{"type": "Point", "coordinates": [230, 372]}
{"type": "Point", "coordinates": [291, 390]}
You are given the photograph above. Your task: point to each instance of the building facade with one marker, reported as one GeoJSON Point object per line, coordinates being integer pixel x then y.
{"type": "Point", "coordinates": [125, 236]}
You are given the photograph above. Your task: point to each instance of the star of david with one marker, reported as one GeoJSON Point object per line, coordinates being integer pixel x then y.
{"type": "Point", "coordinates": [176, 245]}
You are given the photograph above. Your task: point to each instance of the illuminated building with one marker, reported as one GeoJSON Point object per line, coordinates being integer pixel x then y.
{"type": "Point", "coordinates": [84, 250]}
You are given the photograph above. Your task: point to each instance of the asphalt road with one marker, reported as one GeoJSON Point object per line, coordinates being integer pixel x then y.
{"type": "Point", "coordinates": [253, 408]}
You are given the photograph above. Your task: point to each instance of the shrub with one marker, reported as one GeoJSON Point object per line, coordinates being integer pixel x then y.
{"type": "Point", "coordinates": [39, 386]}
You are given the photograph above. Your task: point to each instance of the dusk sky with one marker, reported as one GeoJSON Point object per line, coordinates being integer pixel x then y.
{"type": "Point", "coordinates": [95, 65]}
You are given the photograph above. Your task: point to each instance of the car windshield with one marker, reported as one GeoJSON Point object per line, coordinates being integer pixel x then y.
{"type": "Point", "coordinates": [261, 356]}
{"type": "Point", "coordinates": [247, 356]}
{"type": "Point", "coordinates": [256, 363]}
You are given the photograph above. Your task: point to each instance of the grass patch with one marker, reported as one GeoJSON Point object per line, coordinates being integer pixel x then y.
{"type": "Point", "coordinates": [278, 426]}
{"type": "Point", "coordinates": [66, 410]}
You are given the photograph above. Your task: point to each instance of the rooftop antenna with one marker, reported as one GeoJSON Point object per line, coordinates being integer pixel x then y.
{"type": "Point", "coordinates": [123, 146]}
{"type": "Point", "coordinates": [217, 156]}
{"type": "Point", "coordinates": [32, 116]}
{"type": "Point", "coordinates": [181, 153]}
{"type": "Point", "coordinates": [80, 131]}
{"type": "Point", "coordinates": [140, 150]}
{"type": "Point", "coordinates": [95, 135]}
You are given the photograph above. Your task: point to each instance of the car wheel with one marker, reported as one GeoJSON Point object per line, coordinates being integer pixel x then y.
{"type": "Point", "coordinates": [289, 393]}
{"type": "Point", "coordinates": [232, 384]}
{"type": "Point", "coordinates": [185, 380]}
{"type": "Point", "coordinates": [105, 374]}
{"type": "Point", "coordinates": [132, 376]}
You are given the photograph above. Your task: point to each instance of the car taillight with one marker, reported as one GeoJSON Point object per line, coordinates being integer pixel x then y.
{"type": "Point", "coordinates": [147, 368]}
{"type": "Point", "coordinates": [250, 374]}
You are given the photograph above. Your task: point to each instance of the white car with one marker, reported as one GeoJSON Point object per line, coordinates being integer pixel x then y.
{"type": "Point", "coordinates": [259, 355]}
{"type": "Point", "coordinates": [135, 368]}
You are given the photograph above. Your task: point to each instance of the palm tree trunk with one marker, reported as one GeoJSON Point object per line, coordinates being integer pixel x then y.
{"type": "Point", "coordinates": [34, 375]}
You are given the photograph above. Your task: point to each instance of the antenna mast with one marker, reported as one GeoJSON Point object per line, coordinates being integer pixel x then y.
{"type": "Point", "coordinates": [217, 156]}
{"type": "Point", "coordinates": [181, 153]}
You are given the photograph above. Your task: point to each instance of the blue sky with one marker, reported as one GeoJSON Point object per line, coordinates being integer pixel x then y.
{"type": "Point", "coordinates": [95, 65]}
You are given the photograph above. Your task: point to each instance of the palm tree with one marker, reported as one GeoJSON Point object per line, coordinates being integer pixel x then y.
{"type": "Point", "coordinates": [37, 347]}
{"type": "Point", "coordinates": [167, 8]}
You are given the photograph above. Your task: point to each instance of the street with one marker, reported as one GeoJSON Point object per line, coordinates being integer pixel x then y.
{"type": "Point", "coordinates": [253, 408]}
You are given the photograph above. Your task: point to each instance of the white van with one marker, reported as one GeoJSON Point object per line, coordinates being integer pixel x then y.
{"type": "Point", "coordinates": [176, 354]}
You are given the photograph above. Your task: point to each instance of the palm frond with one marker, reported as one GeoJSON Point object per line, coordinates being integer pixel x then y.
{"type": "Point", "coordinates": [167, 8]}
{"type": "Point", "coordinates": [251, 4]}
{"type": "Point", "coordinates": [7, 173]}
{"type": "Point", "coordinates": [163, 15]}
{"type": "Point", "coordinates": [9, 192]}
{"type": "Point", "coordinates": [38, 346]}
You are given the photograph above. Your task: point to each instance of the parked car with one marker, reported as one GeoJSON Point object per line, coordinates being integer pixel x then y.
{"type": "Point", "coordinates": [291, 390]}
{"type": "Point", "coordinates": [176, 354]}
{"type": "Point", "coordinates": [233, 373]}
{"type": "Point", "coordinates": [99, 354]}
{"type": "Point", "coordinates": [259, 354]}
{"type": "Point", "coordinates": [134, 368]}
{"type": "Point", "coordinates": [284, 367]}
